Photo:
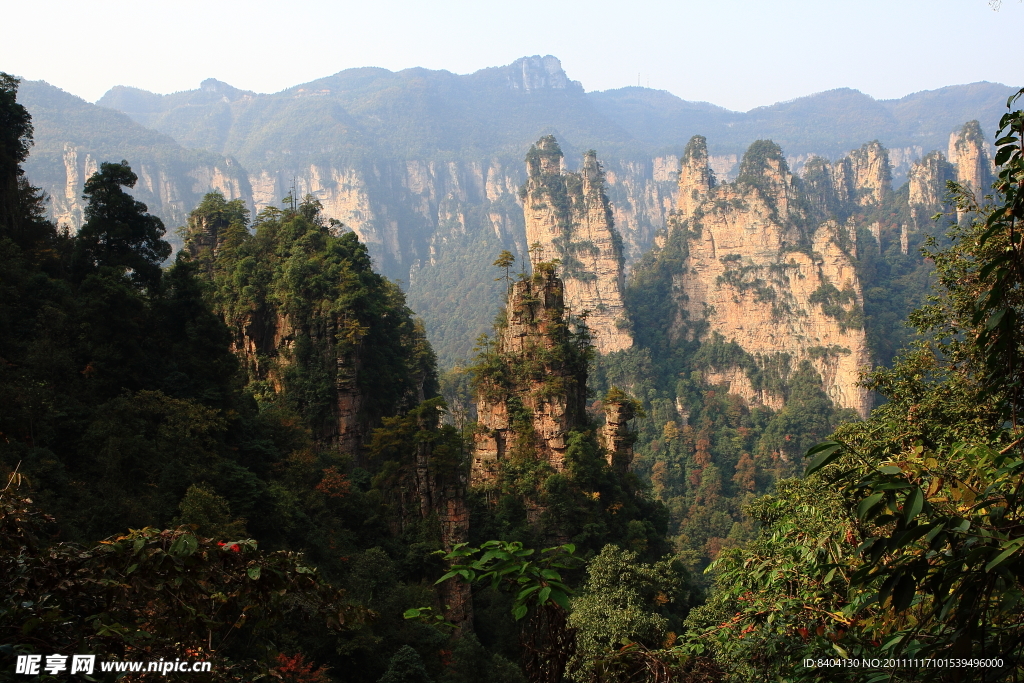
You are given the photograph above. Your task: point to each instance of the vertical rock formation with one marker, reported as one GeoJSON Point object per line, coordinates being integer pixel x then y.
{"type": "Point", "coordinates": [871, 175]}
{"type": "Point", "coordinates": [342, 346]}
{"type": "Point", "coordinates": [927, 180]}
{"type": "Point", "coordinates": [569, 216]}
{"type": "Point", "coordinates": [967, 149]}
{"type": "Point", "coordinates": [434, 485]}
{"type": "Point", "coordinates": [642, 193]}
{"type": "Point", "coordinates": [926, 191]}
{"type": "Point", "coordinates": [616, 436]}
{"type": "Point", "coordinates": [532, 389]}
{"type": "Point", "coordinates": [696, 179]}
{"type": "Point", "coordinates": [757, 274]}
{"type": "Point", "coordinates": [836, 189]}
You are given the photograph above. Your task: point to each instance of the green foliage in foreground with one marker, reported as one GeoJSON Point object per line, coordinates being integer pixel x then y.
{"type": "Point", "coordinates": [152, 594]}
{"type": "Point", "coordinates": [537, 582]}
{"type": "Point", "coordinates": [625, 604]}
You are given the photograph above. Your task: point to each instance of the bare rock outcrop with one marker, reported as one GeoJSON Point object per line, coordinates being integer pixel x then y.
{"type": "Point", "coordinates": [871, 175]}
{"type": "Point", "coordinates": [568, 215]}
{"type": "Point", "coordinates": [969, 152]}
{"type": "Point", "coordinates": [756, 275]}
{"type": "Point", "coordinates": [616, 436]}
{"type": "Point", "coordinates": [927, 180]}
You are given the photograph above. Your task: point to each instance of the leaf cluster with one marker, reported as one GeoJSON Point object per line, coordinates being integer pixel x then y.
{"type": "Point", "coordinates": [535, 581]}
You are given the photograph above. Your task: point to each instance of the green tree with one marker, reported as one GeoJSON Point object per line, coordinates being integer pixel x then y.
{"type": "Point", "coordinates": [21, 205]}
{"type": "Point", "coordinates": [546, 639]}
{"type": "Point", "coordinates": [118, 234]}
{"type": "Point", "coordinates": [209, 514]}
{"type": "Point", "coordinates": [505, 260]}
{"type": "Point", "coordinates": [624, 603]}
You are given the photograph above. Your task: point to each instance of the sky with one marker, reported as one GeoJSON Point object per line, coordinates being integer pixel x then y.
{"type": "Point", "coordinates": [738, 54]}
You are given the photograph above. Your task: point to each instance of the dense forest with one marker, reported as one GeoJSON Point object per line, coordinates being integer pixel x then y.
{"type": "Point", "coordinates": [246, 454]}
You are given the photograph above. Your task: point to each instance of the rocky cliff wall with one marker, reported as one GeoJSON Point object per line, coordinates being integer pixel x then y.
{"type": "Point", "coordinates": [170, 191]}
{"type": "Point", "coordinates": [399, 206]}
{"type": "Point", "coordinates": [569, 218]}
{"type": "Point", "coordinates": [927, 180]}
{"type": "Point", "coordinates": [760, 273]}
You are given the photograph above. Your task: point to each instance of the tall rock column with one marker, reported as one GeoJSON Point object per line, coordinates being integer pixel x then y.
{"type": "Point", "coordinates": [532, 388]}
{"type": "Point", "coordinates": [927, 192]}
{"type": "Point", "coordinates": [927, 179]}
{"type": "Point", "coordinates": [616, 436]}
{"type": "Point", "coordinates": [968, 151]}
{"type": "Point", "coordinates": [569, 216]}
{"type": "Point", "coordinates": [872, 175]}
{"type": "Point", "coordinates": [695, 177]}
{"type": "Point", "coordinates": [431, 483]}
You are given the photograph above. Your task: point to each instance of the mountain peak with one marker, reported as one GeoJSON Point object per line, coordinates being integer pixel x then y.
{"type": "Point", "coordinates": [212, 85]}
{"type": "Point", "coordinates": [529, 74]}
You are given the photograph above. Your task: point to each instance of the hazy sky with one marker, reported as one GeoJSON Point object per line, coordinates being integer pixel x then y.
{"type": "Point", "coordinates": [736, 53]}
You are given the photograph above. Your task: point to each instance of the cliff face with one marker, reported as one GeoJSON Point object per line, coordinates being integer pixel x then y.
{"type": "Point", "coordinates": [74, 137]}
{"type": "Point", "coordinates": [870, 177]}
{"type": "Point", "coordinates": [167, 192]}
{"type": "Point", "coordinates": [568, 215]}
{"type": "Point", "coordinates": [433, 485]}
{"type": "Point", "coordinates": [537, 394]}
{"type": "Point", "coordinates": [616, 436]}
{"type": "Point", "coordinates": [969, 152]}
{"type": "Point", "coordinates": [969, 164]}
{"type": "Point", "coordinates": [756, 274]}
{"type": "Point", "coordinates": [927, 180]}
{"type": "Point", "coordinates": [337, 344]}
{"type": "Point", "coordinates": [265, 341]}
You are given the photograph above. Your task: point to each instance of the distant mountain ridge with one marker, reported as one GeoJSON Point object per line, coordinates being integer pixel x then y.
{"type": "Point", "coordinates": [623, 120]}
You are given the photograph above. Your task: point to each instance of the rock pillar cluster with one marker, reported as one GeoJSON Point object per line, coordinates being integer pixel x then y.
{"type": "Point", "coordinates": [756, 275]}
{"type": "Point", "coordinates": [569, 218]}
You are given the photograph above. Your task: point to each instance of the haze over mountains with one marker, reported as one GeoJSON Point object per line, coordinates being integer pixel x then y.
{"type": "Point", "coordinates": [426, 165]}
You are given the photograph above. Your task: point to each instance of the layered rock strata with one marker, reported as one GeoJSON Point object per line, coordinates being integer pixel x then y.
{"type": "Point", "coordinates": [536, 393]}
{"type": "Point", "coordinates": [569, 218]}
{"type": "Point", "coordinates": [756, 275]}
